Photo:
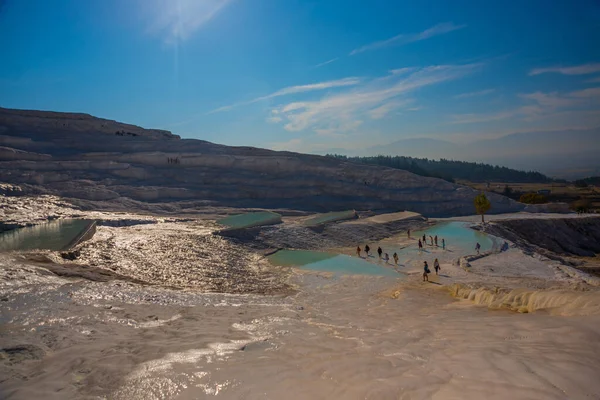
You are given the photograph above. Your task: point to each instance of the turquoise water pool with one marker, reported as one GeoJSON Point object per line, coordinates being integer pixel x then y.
{"type": "Point", "coordinates": [330, 217]}
{"type": "Point", "coordinates": [460, 240]}
{"type": "Point", "coordinates": [330, 262]}
{"type": "Point", "coordinates": [55, 235]}
{"type": "Point", "coordinates": [248, 220]}
{"type": "Point", "coordinates": [458, 236]}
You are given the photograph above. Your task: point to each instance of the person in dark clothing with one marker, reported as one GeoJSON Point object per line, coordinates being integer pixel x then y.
{"type": "Point", "coordinates": [478, 247]}
{"type": "Point", "coordinates": [358, 250]}
{"type": "Point", "coordinates": [424, 239]}
{"type": "Point", "coordinates": [435, 239]}
{"type": "Point", "coordinates": [408, 233]}
{"type": "Point", "coordinates": [426, 272]}
{"type": "Point", "coordinates": [367, 250]}
{"type": "Point", "coordinates": [379, 251]}
{"type": "Point", "coordinates": [436, 266]}
{"type": "Point", "coordinates": [420, 246]}
{"type": "Point", "coordinates": [395, 258]}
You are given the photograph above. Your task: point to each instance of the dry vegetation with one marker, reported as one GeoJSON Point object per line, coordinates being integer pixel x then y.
{"type": "Point", "coordinates": [559, 192]}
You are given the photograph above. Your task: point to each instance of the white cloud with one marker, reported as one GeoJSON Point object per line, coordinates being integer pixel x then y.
{"type": "Point", "coordinates": [539, 106]}
{"type": "Point", "coordinates": [294, 90]}
{"type": "Point", "coordinates": [327, 62]}
{"type": "Point", "coordinates": [474, 94]}
{"type": "Point", "coordinates": [551, 100]}
{"type": "Point", "coordinates": [401, 39]}
{"type": "Point", "coordinates": [373, 99]}
{"type": "Point", "coordinates": [400, 71]}
{"type": "Point", "coordinates": [274, 120]}
{"type": "Point", "coordinates": [583, 69]}
{"type": "Point", "coordinates": [177, 20]}
{"type": "Point", "coordinates": [383, 110]}
{"type": "Point", "coordinates": [482, 117]}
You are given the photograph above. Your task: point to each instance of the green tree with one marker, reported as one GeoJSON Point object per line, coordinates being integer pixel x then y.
{"type": "Point", "coordinates": [482, 205]}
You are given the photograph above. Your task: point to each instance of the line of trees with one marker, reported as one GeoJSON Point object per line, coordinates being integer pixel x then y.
{"type": "Point", "coordinates": [591, 181]}
{"type": "Point", "coordinates": [451, 170]}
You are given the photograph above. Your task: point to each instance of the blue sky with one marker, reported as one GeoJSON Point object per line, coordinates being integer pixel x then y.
{"type": "Point", "coordinates": [308, 75]}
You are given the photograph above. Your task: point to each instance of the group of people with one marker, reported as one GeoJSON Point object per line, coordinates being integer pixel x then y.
{"type": "Point", "coordinates": [433, 239]}
{"type": "Point", "coordinates": [426, 271]}
{"type": "Point", "coordinates": [172, 160]}
{"type": "Point", "coordinates": [385, 257]}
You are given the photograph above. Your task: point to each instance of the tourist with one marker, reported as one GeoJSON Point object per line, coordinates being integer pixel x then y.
{"type": "Point", "coordinates": [395, 258]}
{"type": "Point", "coordinates": [408, 233]}
{"type": "Point", "coordinates": [435, 238]}
{"type": "Point", "coordinates": [504, 246]}
{"type": "Point", "coordinates": [426, 271]}
{"type": "Point", "coordinates": [420, 246]}
{"type": "Point", "coordinates": [367, 250]}
{"type": "Point", "coordinates": [386, 258]}
{"type": "Point", "coordinates": [436, 266]}
{"type": "Point", "coordinates": [424, 239]}
{"type": "Point", "coordinates": [431, 238]}
{"type": "Point", "coordinates": [379, 251]}
{"type": "Point", "coordinates": [478, 247]}
{"type": "Point", "coordinates": [443, 244]}
{"type": "Point", "coordinates": [358, 250]}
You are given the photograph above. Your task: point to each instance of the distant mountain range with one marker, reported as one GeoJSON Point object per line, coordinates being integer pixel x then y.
{"type": "Point", "coordinates": [567, 154]}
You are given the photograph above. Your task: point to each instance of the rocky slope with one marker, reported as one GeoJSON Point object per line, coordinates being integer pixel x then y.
{"type": "Point", "coordinates": [80, 156]}
{"type": "Point", "coordinates": [569, 236]}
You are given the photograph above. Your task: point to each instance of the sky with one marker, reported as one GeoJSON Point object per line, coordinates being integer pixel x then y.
{"type": "Point", "coordinates": [308, 75]}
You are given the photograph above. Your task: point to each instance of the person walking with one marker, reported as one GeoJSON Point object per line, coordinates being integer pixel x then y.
{"type": "Point", "coordinates": [420, 246]}
{"type": "Point", "coordinates": [436, 243]}
{"type": "Point", "coordinates": [379, 251]}
{"type": "Point", "coordinates": [424, 239]}
{"type": "Point", "coordinates": [431, 238]}
{"type": "Point", "coordinates": [478, 247]}
{"type": "Point", "coordinates": [367, 249]}
{"type": "Point", "coordinates": [395, 258]}
{"type": "Point", "coordinates": [358, 250]}
{"type": "Point", "coordinates": [426, 271]}
{"type": "Point", "coordinates": [386, 258]}
{"type": "Point", "coordinates": [436, 266]}
{"type": "Point", "coordinates": [408, 232]}
{"type": "Point", "coordinates": [443, 244]}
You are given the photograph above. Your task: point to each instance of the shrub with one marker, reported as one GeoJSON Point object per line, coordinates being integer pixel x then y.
{"type": "Point", "coordinates": [533, 198]}
{"type": "Point", "coordinates": [581, 205]}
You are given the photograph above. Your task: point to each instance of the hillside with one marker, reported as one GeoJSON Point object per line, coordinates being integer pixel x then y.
{"type": "Point", "coordinates": [80, 156]}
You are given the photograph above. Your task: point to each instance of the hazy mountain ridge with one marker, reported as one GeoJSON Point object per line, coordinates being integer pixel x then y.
{"type": "Point", "coordinates": [568, 154]}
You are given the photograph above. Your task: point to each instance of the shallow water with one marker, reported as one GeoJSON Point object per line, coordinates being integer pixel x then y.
{"type": "Point", "coordinates": [53, 235]}
{"type": "Point", "coordinates": [460, 241]}
{"type": "Point", "coordinates": [352, 337]}
{"type": "Point", "coordinates": [338, 264]}
{"type": "Point", "coordinates": [250, 219]}
{"type": "Point", "coordinates": [458, 237]}
{"type": "Point", "coordinates": [330, 217]}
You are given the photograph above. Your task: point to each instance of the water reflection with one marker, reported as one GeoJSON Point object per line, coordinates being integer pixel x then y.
{"type": "Point", "coordinates": [55, 235]}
